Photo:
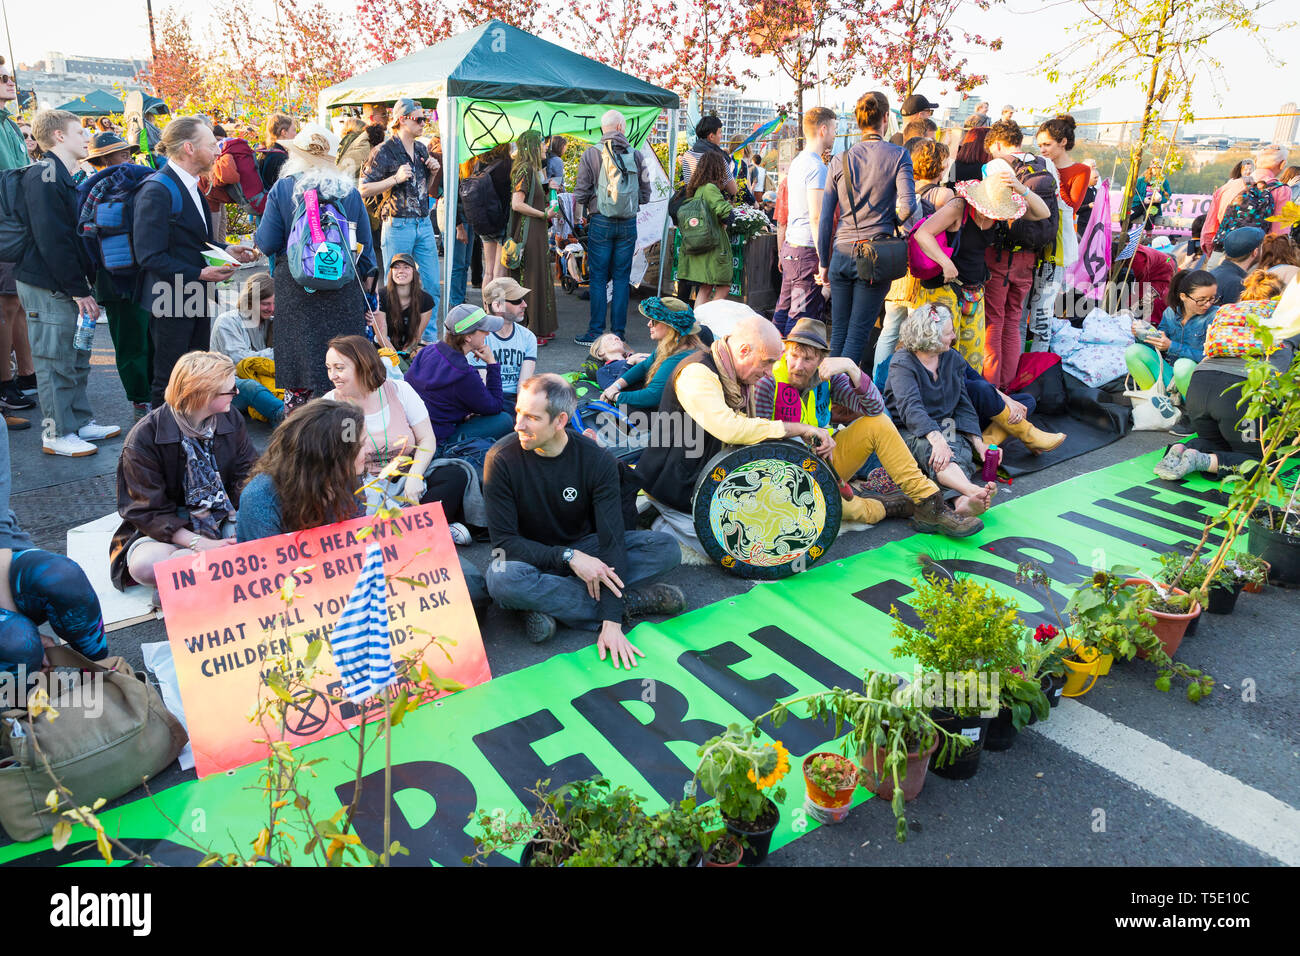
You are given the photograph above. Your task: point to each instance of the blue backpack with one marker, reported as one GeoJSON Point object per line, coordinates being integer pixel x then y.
{"type": "Point", "coordinates": [105, 208]}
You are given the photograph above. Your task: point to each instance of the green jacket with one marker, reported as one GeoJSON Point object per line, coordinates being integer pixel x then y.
{"type": "Point", "coordinates": [713, 267]}
{"type": "Point", "coordinates": [13, 148]}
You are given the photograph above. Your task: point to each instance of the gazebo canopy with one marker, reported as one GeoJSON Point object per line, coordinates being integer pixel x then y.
{"type": "Point", "coordinates": [102, 103]}
{"type": "Point", "coordinates": [496, 61]}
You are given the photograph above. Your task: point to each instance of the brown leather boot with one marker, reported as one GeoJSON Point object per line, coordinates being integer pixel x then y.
{"type": "Point", "coordinates": [933, 516]}
{"type": "Point", "coordinates": [1035, 439]}
{"type": "Point", "coordinates": [897, 504]}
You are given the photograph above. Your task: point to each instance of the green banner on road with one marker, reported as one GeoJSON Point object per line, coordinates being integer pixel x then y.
{"type": "Point", "coordinates": [571, 716]}
{"type": "Point", "coordinates": [485, 123]}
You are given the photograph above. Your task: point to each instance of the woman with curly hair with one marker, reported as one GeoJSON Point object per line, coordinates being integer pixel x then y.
{"type": "Point", "coordinates": [528, 203]}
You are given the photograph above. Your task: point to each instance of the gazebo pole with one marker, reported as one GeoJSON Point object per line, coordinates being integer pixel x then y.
{"type": "Point", "coordinates": [664, 249]}
{"type": "Point", "coordinates": [450, 130]}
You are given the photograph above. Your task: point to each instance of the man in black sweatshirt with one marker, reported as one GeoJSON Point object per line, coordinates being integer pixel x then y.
{"type": "Point", "coordinates": [560, 550]}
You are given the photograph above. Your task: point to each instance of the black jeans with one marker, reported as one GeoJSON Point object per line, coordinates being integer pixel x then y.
{"type": "Point", "coordinates": [1212, 398]}
{"type": "Point", "coordinates": [446, 484]}
{"type": "Point", "coordinates": [172, 338]}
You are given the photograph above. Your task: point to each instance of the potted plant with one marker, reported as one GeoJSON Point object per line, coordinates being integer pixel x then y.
{"type": "Point", "coordinates": [726, 850]}
{"type": "Point", "coordinates": [830, 780]}
{"type": "Point", "coordinates": [677, 836]}
{"type": "Point", "coordinates": [1217, 592]}
{"type": "Point", "coordinates": [1275, 537]}
{"type": "Point", "coordinates": [1255, 570]}
{"type": "Point", "coordinates": [1045, 658]}
{"type": "Point", "coordinates": [1172, 610]}
{"type": "Point", "coordinates": [891, 734]}
{"type": "Point", "coordinates": [557, 828]}
{"type": "Point", "coordinates": [1081, 664]}
{"type": "Point", "coordinates": [1109, 615]}
{"type": "Point", "coordinates": [970, 634]}
{"type": "Point", "coordinates": [736, 769]}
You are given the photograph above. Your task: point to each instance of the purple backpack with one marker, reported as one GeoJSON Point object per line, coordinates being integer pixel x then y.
{"type": "Point", "coordinates": [319, 251]}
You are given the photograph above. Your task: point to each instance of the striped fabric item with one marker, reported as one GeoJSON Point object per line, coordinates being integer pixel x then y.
{"type": "Point", "coordinates": [1131, 247]}
{"type": "Point", "coordinates": [359, 643]}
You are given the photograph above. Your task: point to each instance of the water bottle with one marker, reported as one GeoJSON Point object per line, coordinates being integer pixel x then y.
{"type": "Point", "coordinates": [554, 207]}
{"type": "Point", "coordinates": [84, 339]}
{"type": "Point", "coordinates": [992, 458]}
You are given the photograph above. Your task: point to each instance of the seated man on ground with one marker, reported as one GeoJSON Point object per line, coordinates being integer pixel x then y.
{"type": "Point", "coordinates": [561, 551]}
{"type": "Point", "coordinates": [802, 386]}
{"type": "Point", "coordinates": [38, 586]}
{"type": "Point", "coordinates": [710, 403]}
{"type": "Point", "coordinates": [1224, 439]}
{"type": "Point", "coordinates": [308, 478]}
{"type": "Point", "coordinates": [927, 397]}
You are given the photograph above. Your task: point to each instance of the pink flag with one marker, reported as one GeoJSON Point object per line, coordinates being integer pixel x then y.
{"type": "Point", "coordinates": [1088, 274]}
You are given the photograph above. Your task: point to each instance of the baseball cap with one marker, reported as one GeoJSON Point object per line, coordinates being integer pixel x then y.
{"type": "Point", "coordinates": [405, 106]}
{"type": "Point", "coordinates": [1242, 241]}
{"type": "Point", "coordinates": [466, 318]}
{"type": "Point", "coordinates": [404, 257]}
{"type": "Point", "coordinates": [915, 104]}
{"type": "Point", "coordinates": [503, 288]}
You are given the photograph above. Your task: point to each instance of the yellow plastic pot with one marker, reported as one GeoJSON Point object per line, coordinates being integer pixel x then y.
{"type": "Point", "coordinates": [1080, 677]}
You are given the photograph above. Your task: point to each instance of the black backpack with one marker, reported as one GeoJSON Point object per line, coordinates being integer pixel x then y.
{"type": "Point", "coordinates": [1039, 234]}
{"type": "Point", "coordinates": [481, 204]}
{"type": "Point", "coordinates": [15, 234]}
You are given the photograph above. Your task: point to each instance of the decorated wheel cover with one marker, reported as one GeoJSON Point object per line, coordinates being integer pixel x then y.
{"type": "Point", "coordinates": [768, 510]}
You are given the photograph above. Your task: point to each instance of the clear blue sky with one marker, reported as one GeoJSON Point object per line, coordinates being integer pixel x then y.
{"type": "Point", "coordinates": [1251, 84]}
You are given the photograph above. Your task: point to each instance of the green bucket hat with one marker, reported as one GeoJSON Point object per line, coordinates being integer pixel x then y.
{"type": "Point", "coordinates": [671, 312]}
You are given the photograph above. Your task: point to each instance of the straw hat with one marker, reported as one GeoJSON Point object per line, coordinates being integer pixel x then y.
{"type": "Point", "coordinates": [990, 196]}
{"type": "Point", "coordinates": [316, 144]}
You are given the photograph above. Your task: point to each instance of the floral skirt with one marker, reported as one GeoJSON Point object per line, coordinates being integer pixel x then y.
{"type": "Point", "coordinates": [967, 309]}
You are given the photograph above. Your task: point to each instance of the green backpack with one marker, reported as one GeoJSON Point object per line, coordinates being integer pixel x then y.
{"type": "Point", "coordinates": [698, 226]}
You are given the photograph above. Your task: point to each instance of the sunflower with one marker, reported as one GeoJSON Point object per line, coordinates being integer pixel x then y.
{"type": "Point", "coordinates": [782, 767]}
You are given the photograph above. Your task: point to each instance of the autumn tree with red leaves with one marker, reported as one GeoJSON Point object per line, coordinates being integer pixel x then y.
{"type": "Point", "coordinates": [700, 41]}
{"type": "Point", "coordinates": [176, 74]}
{"type": "Point", "coordinates": [905, 42]}
{"type": "Point", "coordinates": [618, 33]}
{"type": "Point", "coordinates": [792, 32]}
{"type": "Point", "coordinates": [396, 28]}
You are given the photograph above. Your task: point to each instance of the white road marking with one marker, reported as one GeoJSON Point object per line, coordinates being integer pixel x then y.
{"type": "Point", "coordinates": [1252, 816]}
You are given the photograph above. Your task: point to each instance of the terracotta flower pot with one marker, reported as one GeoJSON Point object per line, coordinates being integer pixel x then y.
{"type": "Point", "coordinates": [821, 805]}
{"type": "Point", "coordinates": [735, 851]}
{"type": "Point", "coordinates": [1170, 628]}
{"type": "Point", "coordinates": [882, 784]}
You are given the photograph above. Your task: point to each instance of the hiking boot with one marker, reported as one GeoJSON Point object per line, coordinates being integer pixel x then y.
{"type": "Point", "coordinates": [16, 424]}
{"type": "Point", "coordinates": [539, 627]}
{"type": "Point", "coordinates": [933, 516]}
{"type": "Point", "coordinates": [653, 599]}
{"type": "Point", "coordinates": [897, 504]}
{"type": "Point", "coordinates": [11, 397]}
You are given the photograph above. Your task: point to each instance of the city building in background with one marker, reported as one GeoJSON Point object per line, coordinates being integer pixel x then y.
{"type": "Point", "coordinates": [739, 115]}
{"type": "Point", "coordinates": [59, 78]}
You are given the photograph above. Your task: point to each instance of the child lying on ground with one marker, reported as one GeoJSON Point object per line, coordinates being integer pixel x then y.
{"type": "Point", "coordinates": [609, 360]}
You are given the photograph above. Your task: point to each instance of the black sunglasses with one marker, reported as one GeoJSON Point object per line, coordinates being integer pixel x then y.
{"type": "Point", "coordinates": [515, 301]}
{"type": "Point", "coordinates": [5, 77]}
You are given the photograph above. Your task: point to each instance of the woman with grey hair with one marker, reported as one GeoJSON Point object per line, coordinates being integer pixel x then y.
{"type": "Point", "coordinates": [927, 398]}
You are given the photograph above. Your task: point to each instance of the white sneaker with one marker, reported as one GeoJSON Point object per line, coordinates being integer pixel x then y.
{"type": "Point", "coordinates": [91, 431]}
{"type": "Point", "coordinates": [460, 534]}
{"type": "Point", "coordinates": [69, 446]}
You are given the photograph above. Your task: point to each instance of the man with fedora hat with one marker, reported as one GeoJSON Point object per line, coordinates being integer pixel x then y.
{"type": "Point", "coordinates": [403, 171]}
{"type": "Point", "coordinates": [128, 322]}
{"type": "Point", "coordinates": [804, 384]}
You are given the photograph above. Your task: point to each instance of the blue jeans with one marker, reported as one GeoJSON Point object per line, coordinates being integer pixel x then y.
{"type": "Point", "coordinates": [522, 587]}
{"type": "Point", "coordinates": [483, 426]}
{"type": "Point", "coordinates": [49, 587]}
{"type": "Point", "coordinates": [854, 306]}
{"type": "Point", "coordinates": [610, 245]}
{"type": "Point", "coordinates": [414, 236]}
{"type": "Point", "coordinates": [460, 254]}
{"type": "Point", "coordinates": [895, 313]}
{"type": "Point", "coordinates": [253, 394]}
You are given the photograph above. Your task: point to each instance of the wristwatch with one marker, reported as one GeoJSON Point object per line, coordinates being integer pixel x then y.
{"type": "Point", "coordinates": [567, 555]}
